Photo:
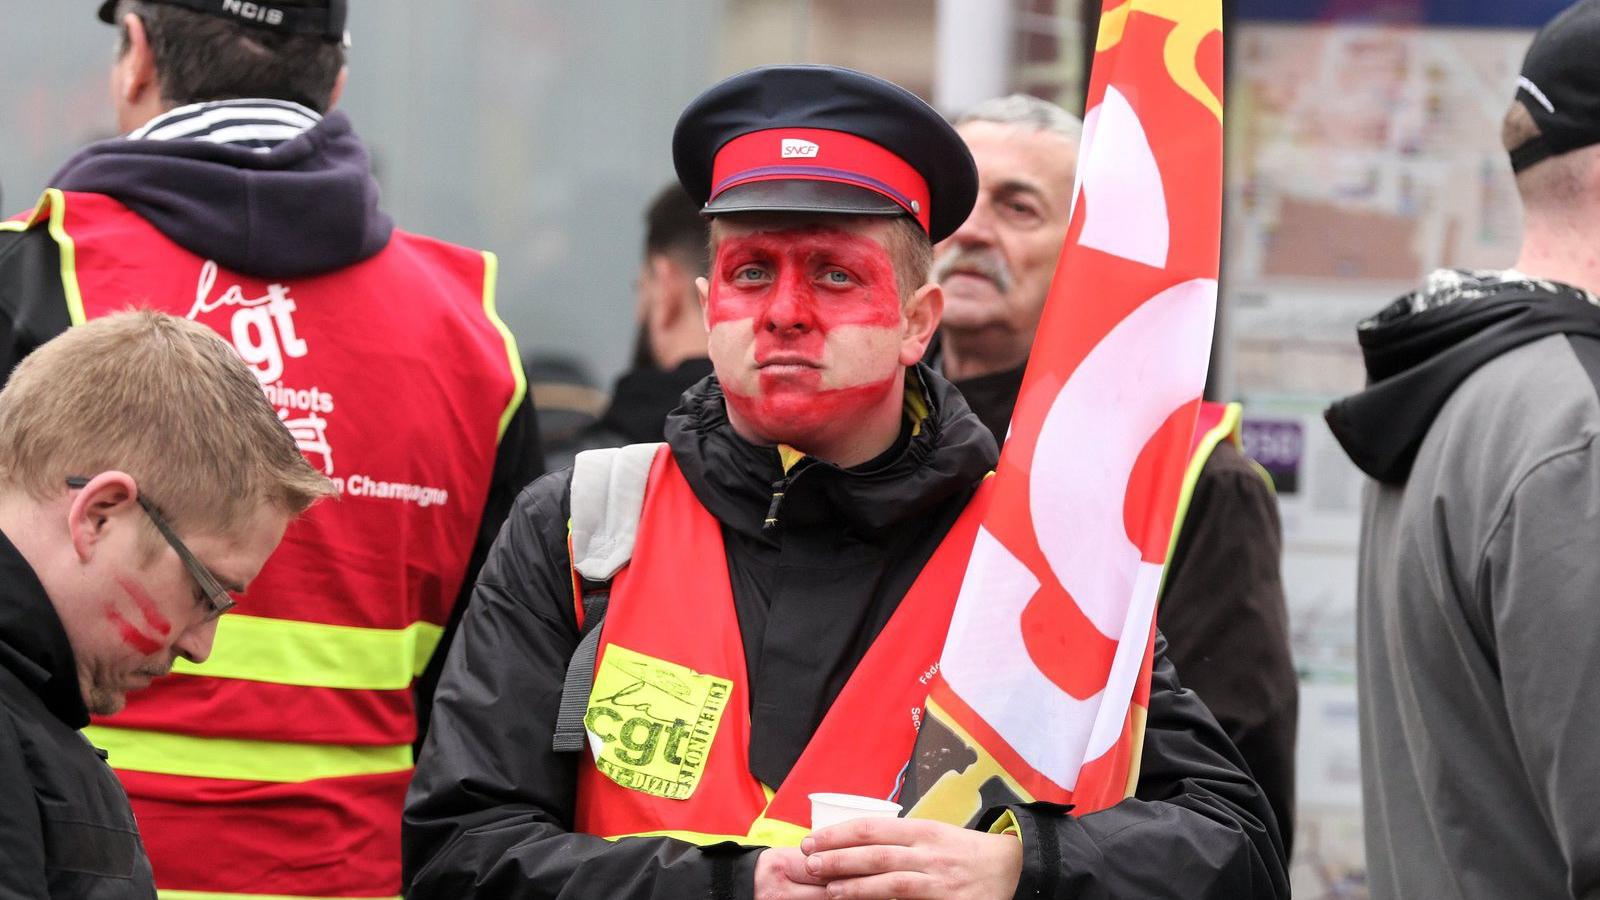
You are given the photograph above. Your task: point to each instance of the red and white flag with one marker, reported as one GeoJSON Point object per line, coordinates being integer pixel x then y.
{"type": "Point", "coordinates": [1044, 680]}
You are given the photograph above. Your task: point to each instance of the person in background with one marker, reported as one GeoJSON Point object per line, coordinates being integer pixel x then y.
{"type": "Point", "coordinates": [670, 353]}
{"type": "Point", "coordinates": [1222, 605]}
{"type": "Point", "coordinates": [1478, 618]}
{"type": "Point", "coordinates": [568, 400]}
{"type": "Point", "coordinates": [144, 480]}
{"type": "Point", "coordinates": [240, 198]}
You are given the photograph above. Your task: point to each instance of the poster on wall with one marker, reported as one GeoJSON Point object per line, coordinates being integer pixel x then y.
{"type": "Point", "coordinates": [1470, 13]}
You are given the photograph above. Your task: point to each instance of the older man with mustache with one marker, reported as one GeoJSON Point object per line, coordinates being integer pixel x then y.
{"type": "Point", "coordinates": [1222, 609]}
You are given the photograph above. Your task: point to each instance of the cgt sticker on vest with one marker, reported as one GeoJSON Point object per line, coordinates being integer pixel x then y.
{"type": "Point", "coordinates": [651, 722]}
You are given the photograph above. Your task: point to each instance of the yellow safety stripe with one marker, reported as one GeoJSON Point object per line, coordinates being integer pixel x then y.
{"type": "Point", "coordinates": [1223, 430]}
{"type": "Point", "coordinates": [54, 203]}
{"type": "Point", "coordinates": [237, 759]}
{"type": "Point", "coordinates": [764, 833]}
{"type": "Point", "coordinates": [216, 895]}
{"type": "Point", "coordinates": [311, 654]}
{"type": "Point", "coordinates": [213, 895]}
{"type": "Point", "coordinates": [491, 269]}
{"type": "Point", "coordinates": [789, 457]}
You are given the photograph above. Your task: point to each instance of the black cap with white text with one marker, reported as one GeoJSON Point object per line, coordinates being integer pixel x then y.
{"type": "Point", "coordinates": [319, 18]}
{"type": "Point", "coordinates": [1560, 85]}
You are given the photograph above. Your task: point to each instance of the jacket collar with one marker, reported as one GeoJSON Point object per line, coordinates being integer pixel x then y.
{"type": "Point", "coordinates": [33, 642]}
{"type": "Point", "coordinates": [947, 451]}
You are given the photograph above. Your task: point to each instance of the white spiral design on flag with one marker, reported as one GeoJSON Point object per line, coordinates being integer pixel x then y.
{"type": "Point", "coordinates": [1144, 370]}
{"type": "Point", "coordinates": [1121, 182]}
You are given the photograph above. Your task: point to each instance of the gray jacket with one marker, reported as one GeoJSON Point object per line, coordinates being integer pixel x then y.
{"type": "Point", "coordinates": [1479, 590]}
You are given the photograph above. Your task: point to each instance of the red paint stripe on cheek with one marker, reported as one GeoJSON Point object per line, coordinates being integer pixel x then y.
{"type": "Point", "coordinates": [131, 635]}
{"type": "Point", "coordinates": [147, 606]}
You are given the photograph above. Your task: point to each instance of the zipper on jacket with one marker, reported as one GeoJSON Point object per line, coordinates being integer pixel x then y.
{"type": "Point", "coordinates": [780, 488]}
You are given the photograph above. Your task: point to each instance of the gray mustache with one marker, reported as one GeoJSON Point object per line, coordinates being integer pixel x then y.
{"type": "Point", "coordinates": [986, 263]}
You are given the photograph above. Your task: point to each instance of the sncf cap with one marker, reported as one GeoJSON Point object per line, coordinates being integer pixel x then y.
{"type": "Point", "coordinates": [321, 18]}
{"type": "Point", "coordinates": [826, 140]}
{"type": "Point", "coordinates": [1560, 85]}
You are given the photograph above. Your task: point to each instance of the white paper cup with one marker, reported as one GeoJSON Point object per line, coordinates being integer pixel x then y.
{"type": "Point", "coordinates": [831, 809]}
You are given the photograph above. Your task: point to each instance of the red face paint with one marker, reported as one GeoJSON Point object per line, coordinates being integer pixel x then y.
{"type": "Point", "coordinates": [131, 635]}
{"type": "Point", "coordinates": [147, 607]}
{"type": "Point", "coordinates": [805, 329]}
{"type": "Point", "coordinates": [816, 278]}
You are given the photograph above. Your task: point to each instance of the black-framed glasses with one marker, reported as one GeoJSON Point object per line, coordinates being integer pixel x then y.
{"type": "Point", "coordinates": [216, 595]}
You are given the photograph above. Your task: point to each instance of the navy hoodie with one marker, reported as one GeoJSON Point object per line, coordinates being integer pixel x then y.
{"type": "Point", "coordinates": [308, 206]}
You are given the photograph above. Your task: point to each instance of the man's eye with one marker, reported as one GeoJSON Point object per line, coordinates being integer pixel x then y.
{"type": "Point", "coordinates": [837, 277]}
{"type": "Point", "coordinates": [749, 273]}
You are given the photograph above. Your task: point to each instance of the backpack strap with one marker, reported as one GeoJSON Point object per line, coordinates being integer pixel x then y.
{"type": "Point", "coordinates": [607, 499]}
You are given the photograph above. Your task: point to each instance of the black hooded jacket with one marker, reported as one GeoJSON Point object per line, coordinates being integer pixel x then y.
{"type": "Point", "coordinates": [641, 400]}
{"type": "Point", "coordinates": [306, 207]}
{"type": "Point", "coordinates": [1421, 347]}
{"type": "Point", "coordinates": [491, 808]}
{"type": "Point", "coordinates": [66, 830]}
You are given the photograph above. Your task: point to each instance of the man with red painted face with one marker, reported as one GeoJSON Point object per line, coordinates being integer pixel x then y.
{"type": "Point", "coordinates": [1222, 604]}
{"type": "Point", "coordinates": [775, 572]}
{"type": "Point", "coordinates": [143, 479]}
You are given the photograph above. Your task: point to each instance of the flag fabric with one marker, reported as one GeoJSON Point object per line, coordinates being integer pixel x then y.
{"type": "Point", "coordinates": [1044, 680]}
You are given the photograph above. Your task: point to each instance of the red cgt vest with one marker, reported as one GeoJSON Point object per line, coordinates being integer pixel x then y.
{"type": "Point", "coordinates": [669, 714]}
{"type": "Point", "coordinates": [279, 767]}
{"type": "Point", "coordinates": [668, 717]}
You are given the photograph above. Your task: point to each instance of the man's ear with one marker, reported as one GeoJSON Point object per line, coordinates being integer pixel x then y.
{"type": "Point", "coordinates": [663, 292]}
{"type": "Point", "coordinates": [703, 288]}
{"type": "Point", "coordinates": [136, 68]}
{"type": "Point", "coordinates": [921, 322]}
{"type": "Point", "coordinates": [95, 506]}
{"type": "Point", "coordinates": [338, 87]}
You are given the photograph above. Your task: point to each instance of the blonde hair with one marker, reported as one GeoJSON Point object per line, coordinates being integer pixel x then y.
{"type": "Point", "coordinates": [165, 400]}
{"type": "Point", "coordinates": [910, 251]}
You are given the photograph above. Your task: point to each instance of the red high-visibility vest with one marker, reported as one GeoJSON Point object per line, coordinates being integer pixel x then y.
{"type": "Point", "coordinates": [668, 715]}
{"type": "Point", "coordinates": [279, 766]}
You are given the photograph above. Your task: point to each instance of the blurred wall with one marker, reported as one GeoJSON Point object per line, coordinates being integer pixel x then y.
{"type": "Point", "coordinates": [534, 128]}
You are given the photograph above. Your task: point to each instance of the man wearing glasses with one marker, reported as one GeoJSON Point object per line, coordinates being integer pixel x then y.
{"type": "Point", "coordinates": [143, 477]}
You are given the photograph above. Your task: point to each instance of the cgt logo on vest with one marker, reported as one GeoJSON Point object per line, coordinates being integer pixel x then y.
{"type": "Point", "coordinates": [651, 723]}
{"type": "Point", "coordinates": [262, 331]}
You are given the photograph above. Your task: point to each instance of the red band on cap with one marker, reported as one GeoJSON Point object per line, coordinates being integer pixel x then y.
{"type": "Point", "coordinates": [819, 154]}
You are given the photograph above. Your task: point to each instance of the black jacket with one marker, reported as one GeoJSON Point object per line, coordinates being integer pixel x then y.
{"type": "Point", "coordinates": [1421, 347]}
{"type": "Point", "coordinates": [640, 402]}
{"type": "Point", "coordinates": [491, 807]}
{"type": "Point", "coordinates": [66, 829]}
{"type": "Point", "coordinates": [1222, 610]}
{"type": "Point", "coordinates": [249, 212]}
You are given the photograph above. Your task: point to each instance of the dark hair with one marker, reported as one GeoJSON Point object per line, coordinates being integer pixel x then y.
{"type": "Point", "coordinates": [201, 57]}
{"type": "Point", "coordinates": [673, 226]}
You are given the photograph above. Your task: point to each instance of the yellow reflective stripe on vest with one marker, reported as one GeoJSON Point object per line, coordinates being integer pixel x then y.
{"type": "Point", "coordinates": [213, 895]}
{"type": "Point", "coordinates": [242, 760]}
{"type": "Point", "coordinates": [764, 833]}
{"type": "Point", "coordinates": [216, 895]}
{"type": "Point", "coordinates": [311, 654]}
{"type": "Point", "coordinates": [491, 266]}
{"type": "Point", "coordinates": [1223, 430]}
{"type": "Point", "coordinates": [55, 203]}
